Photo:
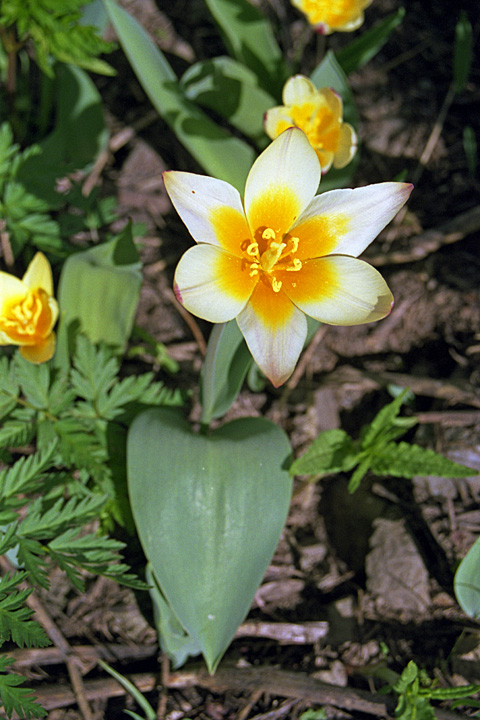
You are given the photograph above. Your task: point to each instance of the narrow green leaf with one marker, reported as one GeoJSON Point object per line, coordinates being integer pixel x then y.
{"type": "Point", "coordinates": [231, 90]}
{"type": "Point", "coordinates": [366, 46]}
{"type": "Point", "coordinates": [467, 582]}
{"type": "Point", "coordinates": [222, 155]}
{"type": "Point", "coordinates": [225, 366]}
{"type": "Point", "coordinates": [250, 39]}
{"type": "Point", "coordinates": [462, 52]}
{"type": "Point", "coordinates": [150, 713]}
{"type": "Point", "coordinates": [209, 511]}
{"type": "Point", "coordinates": [471, 149]}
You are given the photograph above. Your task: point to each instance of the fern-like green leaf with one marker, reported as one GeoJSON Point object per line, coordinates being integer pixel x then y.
{"type": "Point", "coordinates": [405, 460]}
{"type": "Point", "coordinates": [15, 433]}
{"type": "Point", "coordinates": [331, 452]}
{"type": "Point", "coordinates": [95, 370]}
{"type": "Point", "coordinates": [15, 622]}
{"type": "Point", "coordinates": [80, 447]}
{"type": "Point", "coordinates": [31, 556]}
{"type": "Point", "coordinates": [43, 522]}
{"type": "Point", "coordinates": [26, 474]}
{"type": "Point", "coordinates": [386, 425]}
{"type": "Point", "coordinates": [15, 698]}
{"type": "Point", "coordinates": [34, 381]}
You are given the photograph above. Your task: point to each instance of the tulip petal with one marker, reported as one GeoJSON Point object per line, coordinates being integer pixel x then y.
{"type": "Point", "coordinates": [274, 330]}
{"type": "Point", "coordinates": [346, 221]}
{"type": "Point", "coordinates": [41, 352]}
{"type": "Point", "coordinates": [211, 209]}
{"type": "Point", "coordinates": [39, 274]}
{"type": "Point", "coordinates": [282, 182]}
{"type": "Point", "coordinates": [10, 287]}
{"type": "Point", "coordinates": [213, 284]}
{"type": "Point", "coordinates": [339, 290]}
{"type": "Point", "coordinates": [347, 146]}
{"type": "Point", "coordinates": [297, 90]}
{"type": "Point", "coordinates": [277, 119]}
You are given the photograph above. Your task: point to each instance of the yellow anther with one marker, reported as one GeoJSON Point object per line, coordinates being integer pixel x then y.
{"type": "Point", "coordinates": [295, 242]}
{"type": "Point", "coordinates": [296, 265]}
{"type": "Point", "coordinates": [253, 269]}
{"type": "Point", "coordinates": [276, 284]}
{"type": "Point", "coordinates": [252, 249]}
{"type": "Point", "coordinates": [268, 234]}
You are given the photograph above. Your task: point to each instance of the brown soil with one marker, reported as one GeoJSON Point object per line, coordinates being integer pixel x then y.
{"type": "Point", "coordinates": [357, 574]}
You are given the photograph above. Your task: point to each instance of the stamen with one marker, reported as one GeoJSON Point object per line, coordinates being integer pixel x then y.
{"type": "Point", "coordinates": [268, 234]}
{"type": "Point", "coordinates": [295, 242]}
{"type": "Point", "coordinates": [297, 265]}
{"type": "Point", "coordinates": [253, 269]}
{"type": "Point", "coordinates": [276, 284]}
{"type": "Point", "coordinates": [269, 257]}
{"type": "Point", "coordinates": [252, 249]}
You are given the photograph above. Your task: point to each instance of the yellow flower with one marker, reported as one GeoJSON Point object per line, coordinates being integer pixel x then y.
{"type": "Point", "coordinates": [282, 253]}
{"type": "Point", "coordinates": [319, 114]}
{"type": "Point", "coordinates": [330, 15]}
{"type": "Point", "coordinates": [28, 311]}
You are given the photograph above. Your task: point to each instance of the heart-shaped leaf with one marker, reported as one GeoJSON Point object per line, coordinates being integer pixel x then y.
{"type": "Point", "coordinates": [209, 511]}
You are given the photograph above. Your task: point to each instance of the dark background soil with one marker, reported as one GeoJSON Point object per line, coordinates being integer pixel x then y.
{"type": "Point", "coordinates": [376, 567]}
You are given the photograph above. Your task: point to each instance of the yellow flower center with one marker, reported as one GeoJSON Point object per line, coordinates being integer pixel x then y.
{"type": "Point", "coordinates": [27, 319]}
{"type": "Point", "coordinates": [270, 254]}
{"type": "Point", "coordinates": [319, 124]}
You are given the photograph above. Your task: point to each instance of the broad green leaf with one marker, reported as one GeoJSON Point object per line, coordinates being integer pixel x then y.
{"type": "Point", "coordinates": [367, 45]}
{"type": "Point", "coordinates": [174, 640]}
{"type": "Point", "coordinates": [224, 369]}
{"type": "Point", "coordinates": [250, 39]}
{"type": "Point", "coordinates": [467, 582]}
{"type": "Point", "coordinates": [332, 451]}
{"type": "Point", "coordinates": [405, 460]}
{"type": "Point", "coordinates": [221, 155]}
{"type": "Point", "coordinates": [230, 89]}
{"type": "Point", "coordinates": [209, 511]}
{"type": "Point", "coordinates": [462, 52]}
{"type": "Point", "coordinates": [98, 294]}
{"type": "Point", "coordinates": [329, 74]}
{"type": "Point", "coordinates": [79, 135]}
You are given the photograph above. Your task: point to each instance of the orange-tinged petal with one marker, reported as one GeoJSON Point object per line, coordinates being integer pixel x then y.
{"type": "Point", "coordinates": [231, 229]}
{"type": "Point", "coordinates": [339, 290]}
{"type": "Point", "coordinates": [41, 352]}
{"type": "Point", "coordinates": [39, 274]}
{"type": "Point", "coordinates": [200, 202]}
{"type": "Point", "coordinates": [274, 330]}
{"type": "Point", "coordinates": [213, 284]}
{"type": "Point", "coordinates": [282, 182]}
{"type": "Point", "coordinates": [351, 218]}
{"type": "Point", "coordinates": [318, 234]}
